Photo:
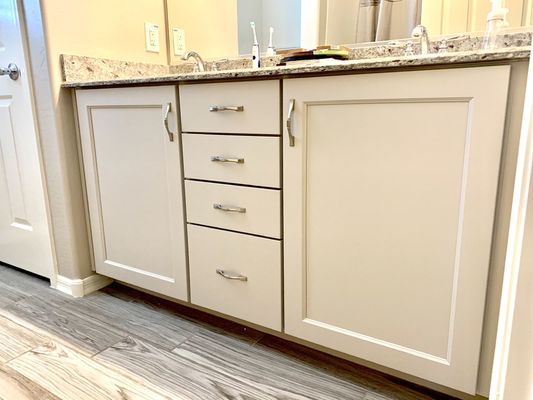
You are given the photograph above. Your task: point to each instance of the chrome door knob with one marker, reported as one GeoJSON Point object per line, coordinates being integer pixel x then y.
{"type": "Point", "coordinates": [12, 70]}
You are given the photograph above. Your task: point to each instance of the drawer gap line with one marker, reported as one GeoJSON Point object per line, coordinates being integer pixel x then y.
{"type": "Point", "coordinates": [239, 232]}
{"type": "Point", "coordinates": [233, 184]}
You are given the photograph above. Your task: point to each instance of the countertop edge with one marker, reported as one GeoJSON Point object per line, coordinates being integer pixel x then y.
{"type": "Point", "coordinates": [469, 57]}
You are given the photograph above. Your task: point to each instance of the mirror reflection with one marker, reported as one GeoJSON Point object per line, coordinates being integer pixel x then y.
{"type": "Point", "coordinates": [221, 28]}
{"type": "Point", "coordinates": [282, 17]}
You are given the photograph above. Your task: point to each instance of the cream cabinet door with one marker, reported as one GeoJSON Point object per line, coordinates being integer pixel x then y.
{"type": "Point", "coordinates": [133, 177]}
{"type": "Point", "coordinates": [389, 199]}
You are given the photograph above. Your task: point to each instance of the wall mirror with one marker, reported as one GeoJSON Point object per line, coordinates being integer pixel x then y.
{"type": "Point", "coordinates": [221, 28]}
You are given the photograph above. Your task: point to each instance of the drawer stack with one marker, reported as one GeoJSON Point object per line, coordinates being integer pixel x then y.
{"type": "Point", "coordinates": [231, 155]}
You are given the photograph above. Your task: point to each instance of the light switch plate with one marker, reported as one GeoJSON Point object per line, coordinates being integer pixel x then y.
{"type": "Point", "coordinates": [178, 39]}
{"type": "Point", "coordinates": [151, 31]}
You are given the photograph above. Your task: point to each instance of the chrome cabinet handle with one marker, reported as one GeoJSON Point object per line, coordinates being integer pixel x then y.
{"type": "Point", "coordinates": [222, 207]}
{"type": "Point", "coordinates": [165, 121]}
{"type": "Point", "coordinates": [226, 108]}
{"type": "Point", "coordinates": [12, 71]}
{"type": "Point", "coordinates": [289, 122]}
{"type": "Point", "coordinates": [232, 277]}
{"type": "Point", "coordinates": [228, 160]}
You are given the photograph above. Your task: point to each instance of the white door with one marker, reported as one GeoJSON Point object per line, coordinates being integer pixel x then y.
{"type": "Point", "coordinates": [134, 186]}
{"type": "Point", "coordinates": [389, 199]}
{"type": "Point", "coordinates": [24, 230]}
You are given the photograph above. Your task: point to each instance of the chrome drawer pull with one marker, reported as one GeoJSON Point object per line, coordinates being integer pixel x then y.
{"type": "Point", "coordinates": [226, 159]}
{"type": "Point", "coordinates": [232, 277]}
{"type": "Point", "coordinates": [222, 207]}
{"type": "Point", "coordinates": [226, 108]}
{"type": "Point", "coordinates": [289, 122]}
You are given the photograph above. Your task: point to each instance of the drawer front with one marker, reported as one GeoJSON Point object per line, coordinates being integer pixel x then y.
{"type": "Point", "coordinates": [258, 260]}
{"type": "Point", "coordinates": [234, 159]}
{"type": "Point", "coordinates": [259, 214]}
{"type": "Point", "coordinates": [260, 112]}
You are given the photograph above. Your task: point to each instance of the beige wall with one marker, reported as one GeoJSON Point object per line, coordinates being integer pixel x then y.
{"type": "Point", "coordinates": [339, 17]}
{"type": "Point", "coordinates": [92, 28]}
{"type": "Point", "coordinates": [210, 26]}
{"type": "Point", "coordinates": [455, 16]}
{"type": "Point", "coordinates": [480, 8]}
{"type": "Point", "coordinates": [103, 28]}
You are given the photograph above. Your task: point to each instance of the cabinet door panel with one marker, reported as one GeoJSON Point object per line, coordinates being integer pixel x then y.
{"type": "Point", "coordinates": [388, 210]}
{"type": "Point", "coordinates": [133, 175]}
{"type": "Point", "coordinates": [393, 198]}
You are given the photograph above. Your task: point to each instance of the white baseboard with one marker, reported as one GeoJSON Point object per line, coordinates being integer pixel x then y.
{"type": "Point", "coordinates": [81, 287]}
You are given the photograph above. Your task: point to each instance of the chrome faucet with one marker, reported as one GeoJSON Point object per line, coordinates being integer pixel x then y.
{"type": "Point", "coordinates": [200, 63]}
{"type": "Point", "coordinates": [421, 32]}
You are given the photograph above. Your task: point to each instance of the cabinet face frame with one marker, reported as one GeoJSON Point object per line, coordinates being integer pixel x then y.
{"type": "Point", "coordinates": [485, 90]}
{"type": "Point", "coordinates": [171, 278]}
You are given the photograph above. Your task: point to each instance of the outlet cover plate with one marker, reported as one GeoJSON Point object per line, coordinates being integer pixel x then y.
{"type": "Point", "coordinates": [178, 40]}
{"type": "Point", "coordinates": [151, 31]}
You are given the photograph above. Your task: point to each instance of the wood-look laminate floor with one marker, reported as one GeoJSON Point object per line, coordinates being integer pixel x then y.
{"type": "Point", "coordinates": [122, 344]}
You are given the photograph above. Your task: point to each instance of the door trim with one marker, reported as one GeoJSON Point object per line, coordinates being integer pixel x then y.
{"type": "Point", "coordinates": [34, 44]}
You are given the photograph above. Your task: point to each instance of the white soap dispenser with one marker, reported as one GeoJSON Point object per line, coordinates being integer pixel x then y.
{"type": "Point", "coordinates": [256, 57]}
{"type": "Point", "coordinates": [496, 21]}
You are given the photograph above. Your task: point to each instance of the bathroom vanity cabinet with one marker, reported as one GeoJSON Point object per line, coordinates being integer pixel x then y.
{"type": "Point", "coordinates": [364, 225]}
{"type": "Point", "coordinates": [134, 186]}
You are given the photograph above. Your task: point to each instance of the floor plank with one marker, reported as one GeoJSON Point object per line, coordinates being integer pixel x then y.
{"type": "Point", "coordinates": [15, 340]}
{"type": "Point", "coordinates": [165, 330]}
{"type": "Point", "coordinates": [378, 382]}
{"type": "Point", "coordinates": [24, 282]}
{"type": "Point", "coordinates": [9, 295]}
{"type": "Point", "coordinates": [212, 366]}
{"type": "Point", "coordinates": [70, 375]}
{"type": "Point", "coordinates": [15, 386]}
{"type": "Point", "coordinates": [88, 334]}
{"type": "Point", "coordinates": [254, 364]}
{"type": "Point", "coordinates": [199, 318]}
{"type": "Point", "coordinates": [179, 375]}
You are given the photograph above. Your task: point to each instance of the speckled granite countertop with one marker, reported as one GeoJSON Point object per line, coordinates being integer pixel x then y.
{"type": "Point", "coordinates": [86, 72]}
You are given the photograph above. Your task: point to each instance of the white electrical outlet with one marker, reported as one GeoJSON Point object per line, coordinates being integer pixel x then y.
{"type": "Point", "coordinates": [152, 37]}
{"type": "Point", "coordinates": [178, 39]}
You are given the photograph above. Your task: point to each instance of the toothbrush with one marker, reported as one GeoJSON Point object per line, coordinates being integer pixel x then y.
{"type": "Point", "coordinates": [270, 50]}
{"type": "Point", "coordinates": [256, 59]}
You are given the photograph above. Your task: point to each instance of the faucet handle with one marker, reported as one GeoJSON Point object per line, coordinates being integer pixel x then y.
{"type": "Point", "coordinates": [409, 49]}
{"type": "Point", "coordinates": [217, 64]}
{"type": "Point", "coordinates": [418, 31]}
{"type": "Point", "coordinates": [443, 46]}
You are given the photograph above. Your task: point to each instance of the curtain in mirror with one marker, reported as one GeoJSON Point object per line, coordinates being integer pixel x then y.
{"type": "Point", "coordinates": [387, 19]}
